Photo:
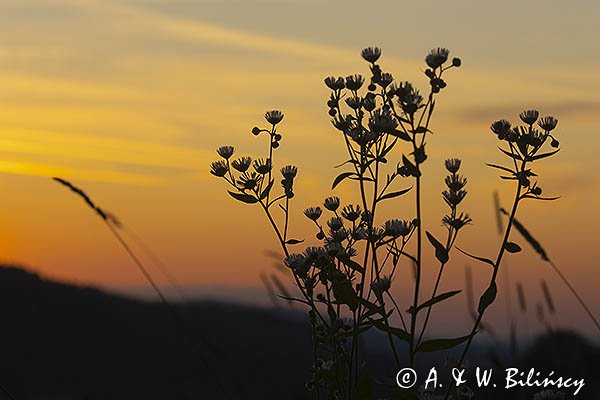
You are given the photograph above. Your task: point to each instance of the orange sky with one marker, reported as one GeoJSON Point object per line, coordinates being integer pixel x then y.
{"type": "Point", "coordinates": [129, 100]}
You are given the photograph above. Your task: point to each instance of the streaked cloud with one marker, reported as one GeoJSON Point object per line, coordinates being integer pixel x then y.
{"type": "Point", "coordinates": [212, 34]}
{"type": "Point", "coordinates": [582, 110]}
{"type": "Point", "coordinates": [47, 170]}
{"type": "Point", "coordinates": [101, 148]}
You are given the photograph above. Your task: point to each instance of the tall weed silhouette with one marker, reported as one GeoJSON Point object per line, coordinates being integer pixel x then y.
{"type": "Point", "coordinates": [346, 281]}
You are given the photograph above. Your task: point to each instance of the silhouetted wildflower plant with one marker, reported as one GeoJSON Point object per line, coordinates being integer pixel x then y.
{"type": "Point", "coordinates": [346, 281]}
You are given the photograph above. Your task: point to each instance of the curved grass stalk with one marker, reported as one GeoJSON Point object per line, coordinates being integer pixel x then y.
{"type": "Point", "coordinates": [110, 221]}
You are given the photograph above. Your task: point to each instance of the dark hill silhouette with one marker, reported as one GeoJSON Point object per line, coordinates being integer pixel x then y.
{"type": "Point", "coordinates": [60, 341]}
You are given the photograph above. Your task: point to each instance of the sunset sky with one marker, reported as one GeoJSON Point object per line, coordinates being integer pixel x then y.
{"type": "Point", "coordinates": [130, 99]}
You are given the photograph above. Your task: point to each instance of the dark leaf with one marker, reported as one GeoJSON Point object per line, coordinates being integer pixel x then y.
{"type": "Point", "coordinates": [487, 298]}
{"type": "Point", "coordinates": [397, 332]}
{"type": "Point", "coordinates": [440, 250]}
{"type": "Point", "coordinates": [437, 299]}
{"type": "Point", "coordinates": [340, 178]}
{"type": "Point", "coordinates": [541, 198]}
{"type": "Point", "coordinates": [544, 155]}
{"type": "Point", "coordinates": [391, 195]}
{"type": "Point", "coordinates": [351, 264]}
{"type": "Point", "coordinates": [293, 241]}
{"type": "Point", "coordinates": [346, 162]}
{"type": "Point", "coordinates": [512, 247]}
{"type": "Point", "coordinates": [482, 259]}
{"type": "Point", "coordinates": [421, 129]}
{"type": "Point", "coordinates": [441, 344]}
{"type": "Point", "coordinates": [402, 135]}
{"type": "Point", "coordinates": [243, 197]}
{"type": "Point", "coordinates": [500, 167]}
{"type": "Point", "coordinates": [373, 308]}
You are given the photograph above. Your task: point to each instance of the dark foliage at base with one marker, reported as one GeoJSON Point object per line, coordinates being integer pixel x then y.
{"type": "Point", "coordinates": [61, 341]}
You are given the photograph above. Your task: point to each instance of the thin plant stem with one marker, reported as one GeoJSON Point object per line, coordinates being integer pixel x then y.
{"type": "Point", "coordinates": [375, 260]}
{"type": "Point", "coordinates": [142, 269]}
{"type": "Point", "coordinates": [286, 252]}
{"type": "Point", "coordinates": [413, 314]}
{"type": "Point", "coordinates": [385, 318]}
{"type": "Point", "coordinates": [354, 352]}
{"type": "Point", "coordinates": [287, 218]}
{"type": "Point", "coordinates": [176, 317]}
{"type": "Point", "coordinates": [494, 274]}
{"type": "Point", "coordinates": [449, 244]}
{"type": "Point", "coordinates": [574, 292]}
{"type": "Point", "coordinates": [398, 310]}
{"type": "Point", "coordinates": [157, 261]}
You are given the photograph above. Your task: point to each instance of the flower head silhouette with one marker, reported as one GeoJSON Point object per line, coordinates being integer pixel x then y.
{"type": "Point", "coordinates": [371, 54]}
{"type": "Point", "coordinates": [242, 164]}
{"type": "Point", "coordinates": [529, 116]}
{"type": "Point", "coordinates": [274, 117]}
{"type": "Point", "coordinates": [437, 57]}
{"type": "Point", "coordinates": [219, 168]}
{"type": "Point", "coordinates": [225, 151]}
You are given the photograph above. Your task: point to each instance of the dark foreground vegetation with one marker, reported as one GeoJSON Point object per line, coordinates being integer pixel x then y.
{"type": "Point", "coordinates": [60, 341]}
